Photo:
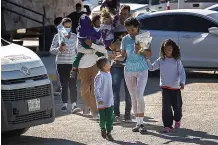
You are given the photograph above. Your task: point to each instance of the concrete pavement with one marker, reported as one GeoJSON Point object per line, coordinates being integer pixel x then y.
{"type": "Point", "coordinates": [199, 122]}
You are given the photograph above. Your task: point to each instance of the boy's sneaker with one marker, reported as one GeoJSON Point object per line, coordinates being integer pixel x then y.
{"type": "Point", "coordinates": [95, 117]}
{"type": "Point", "coordinates": [166, 130]}
{"type": "Point", "coordinates": [75, 109]}
{"type": "Point", "coordinates": [109, 137]}
{"type": "Point", "coordinates": [64, 109]}
{"type": "Point", "coordinates": [142, 129]}
{"type": "Point", "coordinates": [177, 124]}
{"type": "Point", "coordinates": [103, 133]}
{"type": "Point", "coordinates": [136, 129]}
{"type": "Point", "coordinates": [117, 120]}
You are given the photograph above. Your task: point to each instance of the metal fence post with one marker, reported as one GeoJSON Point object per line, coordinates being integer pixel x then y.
{"type": "Point", "coordinates": [44, 49]}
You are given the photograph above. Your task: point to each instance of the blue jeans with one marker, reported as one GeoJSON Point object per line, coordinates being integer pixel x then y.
{"type": "Point", "coordinates": [117, 76]}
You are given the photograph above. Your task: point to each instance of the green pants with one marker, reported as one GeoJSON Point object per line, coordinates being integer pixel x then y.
{"type": "Point", "coordinates": [107, 118]}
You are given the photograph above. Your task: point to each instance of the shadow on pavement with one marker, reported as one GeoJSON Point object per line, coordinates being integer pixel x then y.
{"type": "Point", "coordinates": [152, 86]}
{"type": "Point", "coordinates": [31, 140]}
{"type": "Point", "coordinates": [181, 135]}
{"type": "Point", "coordinates": [129, 143]}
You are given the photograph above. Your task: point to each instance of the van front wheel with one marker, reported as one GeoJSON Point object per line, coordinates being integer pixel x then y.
{"type": "Point", "coordinates": [17, 132]}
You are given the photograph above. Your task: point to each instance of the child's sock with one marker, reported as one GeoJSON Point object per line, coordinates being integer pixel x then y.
{"type": "Point", "coordinates": [73, 105]}
{"type": "Point", "coordinates": [137, 121]}
{"type": "Point", "coordinates": [141, 120]}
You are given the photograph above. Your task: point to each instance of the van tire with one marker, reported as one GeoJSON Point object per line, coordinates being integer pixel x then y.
{"type": "Point", "coordinates": [16, 132]}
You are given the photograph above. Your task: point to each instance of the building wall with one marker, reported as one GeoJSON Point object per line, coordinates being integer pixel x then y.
{"type": "Point", "coordinates": [53, 8]}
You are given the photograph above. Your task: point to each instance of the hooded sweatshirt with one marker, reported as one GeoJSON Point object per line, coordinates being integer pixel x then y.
{"type": "Point", "coordinates": [87, 31]}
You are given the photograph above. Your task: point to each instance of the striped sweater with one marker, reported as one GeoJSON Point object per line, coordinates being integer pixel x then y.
{"type": "Point", "coordinates": [67, 56]}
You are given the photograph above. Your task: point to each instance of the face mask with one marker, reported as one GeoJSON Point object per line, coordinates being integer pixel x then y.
{"type": "Point", "coordinates": [97, 29]}
{"type": "Point", "coordinates": [68, 30]}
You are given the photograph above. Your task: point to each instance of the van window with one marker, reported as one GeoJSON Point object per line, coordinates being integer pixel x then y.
{"type": "Point", "coordinates": [135, 1]}
{"type": "Point", "coordinates": [157, 2]}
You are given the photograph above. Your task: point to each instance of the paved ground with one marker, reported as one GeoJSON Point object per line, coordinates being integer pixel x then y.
{"type": "Point", "coordinates": [199, 124]}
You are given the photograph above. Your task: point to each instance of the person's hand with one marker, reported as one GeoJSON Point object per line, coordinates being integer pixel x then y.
{"type": "Point", "coordinates": [147, 53]}
{"type": "Point", "coordinates": [182, 86]}
{"type": "Point", "coordinates": [112, 56]}
{"type": "Point", "coordinates": [62, 48]}
{"type": "Point", "coordinates": [74, 69]}
{"type": "Point", "coordinates": [88, 42]}
{"type": "Point", "coordinates": [137, 48]}
{"type": "Point", "coordinates": [101, 103]}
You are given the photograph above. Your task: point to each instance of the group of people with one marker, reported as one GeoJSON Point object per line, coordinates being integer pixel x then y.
{"type": "Point", "coordinates": [92, 50]}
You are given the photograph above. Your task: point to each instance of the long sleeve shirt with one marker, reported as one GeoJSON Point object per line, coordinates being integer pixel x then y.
{"type": "Point", "coordinates": [103, 89]}
{"type": "Point", "coordinates": [68, 56]}
{"type": "Point", "coordinates": [90, 58]}
{"type": "Point", "coordinates": [172, 72]}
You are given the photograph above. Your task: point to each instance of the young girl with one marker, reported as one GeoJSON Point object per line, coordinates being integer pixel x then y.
{"type": "Point", "coordinates": [87, 31]}
{"type": "Point", "coordinates": [172, 80]}
{"type": "Point", "coordinates": [106, 28]}
{"type": "Point", "coordinates": [135, 72]}
{"type": "Point", "coordinates": [104, 97]}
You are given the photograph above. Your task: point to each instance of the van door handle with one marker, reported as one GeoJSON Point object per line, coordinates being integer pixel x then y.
{"type": "Point", "coordinates": [160, 7]}
{"type": "Point", "coordinates": [187, 36]}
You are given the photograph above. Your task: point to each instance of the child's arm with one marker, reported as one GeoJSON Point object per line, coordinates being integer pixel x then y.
{"type": "Point", "coordinates": [97, 87]}
{"type": "Point", "coordinates": [181, 74]}
{"type": "Point", "coordinates": [99, 48]}
{"type": "Point", "coordinates": [82, 50]}
{"type": "Point", "coordinates": [155, 65]}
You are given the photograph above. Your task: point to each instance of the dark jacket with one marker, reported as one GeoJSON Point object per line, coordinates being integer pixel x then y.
{"type": "Point", "coordinates": [75, 16]}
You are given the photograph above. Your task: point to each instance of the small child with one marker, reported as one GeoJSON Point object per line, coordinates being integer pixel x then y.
{"type": "Point", "coordinates": [87, 31]}
{"type": "Point", "coordinates": [107, 31]}
{"type": "Point", "coordinates": [172, 80]}
{"type": "Point", "coordinates": [112, 5]}
{"type": "Point", "coordinates": [104, 97]}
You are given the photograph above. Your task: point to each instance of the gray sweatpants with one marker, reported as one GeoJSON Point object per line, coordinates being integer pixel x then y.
{"type": "Point", "coordinates": [136, 83]}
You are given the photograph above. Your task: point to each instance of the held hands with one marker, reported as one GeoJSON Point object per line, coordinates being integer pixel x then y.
{"type": "Point", "coordinates": [101, 103]}
{"type": "Point", "coordinates": [182, 86]}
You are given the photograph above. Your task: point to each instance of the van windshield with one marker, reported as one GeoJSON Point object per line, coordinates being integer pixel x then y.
{"type": "Point", "coordinates": [135, 1]}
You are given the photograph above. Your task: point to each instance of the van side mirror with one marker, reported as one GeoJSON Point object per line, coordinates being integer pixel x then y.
{"type": "Point", "coordinates": [213, 30]}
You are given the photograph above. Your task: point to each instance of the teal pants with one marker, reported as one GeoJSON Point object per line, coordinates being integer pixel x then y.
{"type": "Point", "coordinates": [107, 118]}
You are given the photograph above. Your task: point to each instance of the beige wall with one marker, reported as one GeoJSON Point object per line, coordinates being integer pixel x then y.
{"type": "Point", "coordinates": [53, 8]}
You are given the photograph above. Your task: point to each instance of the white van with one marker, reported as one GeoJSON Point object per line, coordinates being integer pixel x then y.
{"type": "Point", "coordinates": [192, 4]}
{"type": "Point", "coordinates": [26, 90]}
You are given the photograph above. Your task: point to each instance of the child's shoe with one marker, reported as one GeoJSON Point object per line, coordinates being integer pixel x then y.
{"type": "Point", "coordinates": [109, 137]}
{"type": "Point", "coordinates": [166, 130]}
{"type": "Point", "coordinates": [103, 133]}
{"type": "Point", "coordinates": [136, 129]}
{"type": "Point", "coordinates": [177, 124]}
{"type": "Point", "coordinates": [142, 129]}
{"type": "Point", "coordinates": [64, 109]}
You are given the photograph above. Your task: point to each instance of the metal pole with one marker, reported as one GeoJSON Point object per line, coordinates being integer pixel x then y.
{"type": "Point", "coordinates": [43, 28]}
{"type": "Point", "coordinates": [180, 4]}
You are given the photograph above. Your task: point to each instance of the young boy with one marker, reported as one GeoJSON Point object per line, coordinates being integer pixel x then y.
{"type": "Point", "coordinates": [104, 97]}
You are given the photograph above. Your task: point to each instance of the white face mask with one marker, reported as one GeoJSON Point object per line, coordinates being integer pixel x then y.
{"type": "Point", "coordinates": [97, 29]}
